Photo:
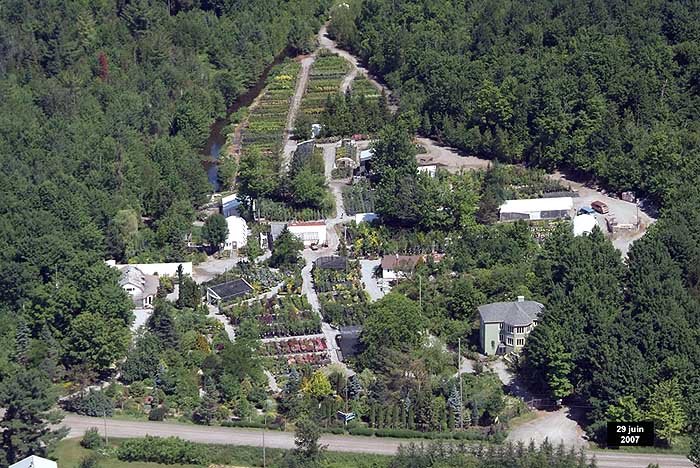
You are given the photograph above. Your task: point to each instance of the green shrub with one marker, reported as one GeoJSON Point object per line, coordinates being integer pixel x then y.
{"type": "Point", "coordinates": [169, 450]}
{"type": "Point", "coordinates": [95, 403]}
{"type": "Point", "coordinates": [91, 461]}
{"type": "Point", "coordinates": [92, 439]}
{"type": "Point", "coordinates": [363, 431]}
{"type": "Point", "coordinates": [158, 413]}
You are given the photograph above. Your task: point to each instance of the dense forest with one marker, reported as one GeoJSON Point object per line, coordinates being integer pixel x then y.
{"type": "Point", "coordinates": [608, 89]}
{"type": "Point", "coordinates": [605, 89]}
{"type": "Point", "coordinates": [104, 109]}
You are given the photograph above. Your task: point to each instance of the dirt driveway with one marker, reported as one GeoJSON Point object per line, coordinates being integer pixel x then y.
{"type": "Point", "coordinates": [556, 426]}
{"type": "Point", "coordinates": [624, 212]}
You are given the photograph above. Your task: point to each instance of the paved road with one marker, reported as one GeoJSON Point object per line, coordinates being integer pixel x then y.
{"type": "Point", "coordinates": [285, 440]}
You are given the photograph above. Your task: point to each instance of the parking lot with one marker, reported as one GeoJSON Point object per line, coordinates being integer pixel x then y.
{"type": "Point", "coordinates": [625, 213]}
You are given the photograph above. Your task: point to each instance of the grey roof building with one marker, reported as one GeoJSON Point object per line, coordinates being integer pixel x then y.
{"type": "Point", "coordinates": [227, 291]}
{"type": "Point", "coordinates": [505, 325]}
{"type": "Point", "coordinates": [334, 262]}
{"type": "Point", "coordinates": [141, 287]}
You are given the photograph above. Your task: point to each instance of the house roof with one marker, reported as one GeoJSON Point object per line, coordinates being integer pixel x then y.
{"type": "Point", "coordinates": [406, 262]}
{"type": "Point", "coordinates": [530, 205]}
{"type": "Point", "coordinates": [306, 223]}
{"type": "Point", "coordinates": [400, 262]}
{"type": "Point", "coordinates": [132, 275]}
{"type": "Point", "coordinates": [334, 262]}
{"type": "Point", "coordinates": [514, 313]}
{"type": "Point", "coordinates": [229, 289]}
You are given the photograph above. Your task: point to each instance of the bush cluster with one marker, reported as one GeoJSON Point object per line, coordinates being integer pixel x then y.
{"type": "Point", "coordinates": [169, 450]}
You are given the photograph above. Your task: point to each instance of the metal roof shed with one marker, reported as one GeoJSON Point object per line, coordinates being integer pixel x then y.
{"type": "Point", "coordinates": [334, 262]}
{"type": "Point", "coordinates": [537, 208]}
{"type": "Point", "coordinates": [230, 290]}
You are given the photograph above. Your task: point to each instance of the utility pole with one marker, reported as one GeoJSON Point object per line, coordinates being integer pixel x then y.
{"type": "Point", "coordinates": [263, 436]}
{"type": "Point", "coordinates": [420, 293]}
{"type": "Point", "coordinates": [459, 376]}
{"type": "Point", "coordinates": [104, 416]}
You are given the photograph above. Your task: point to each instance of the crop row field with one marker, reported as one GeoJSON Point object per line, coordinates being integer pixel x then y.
{"type": "Point", "coordinates": [361, 86]}
{"type": "Point", "coordinates": [265, 127]}
{"type": "Point", "coordinates": [326, 76]}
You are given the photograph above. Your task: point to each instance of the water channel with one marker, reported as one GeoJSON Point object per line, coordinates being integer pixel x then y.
{"type": "Point", "coordinates": [217, 136]}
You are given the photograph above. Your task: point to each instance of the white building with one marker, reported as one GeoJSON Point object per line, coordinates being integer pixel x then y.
{"type": "Point", "coordinates": [366, 155]}
{"type": "Point", "coordinates": [35, 462]}
{"type": "Point", "coordinates": [584, 224]}
{"type": "Point", "coordinates": [229, 205]}
{"type": "Point", "coordinates": [365, 217]}
{"type": "Point", "coordinates": [237, 233]}
{"type": "Point", "coordinates": [141, 287]}
{"type": "Point", "coordinates": [160, 269]}
{"type": "Point", "coordinates": [430, 169]}
{"type": "Point", "coordinates": [309, 232]}
{"type": "Point", "coordinates": [537, 208]}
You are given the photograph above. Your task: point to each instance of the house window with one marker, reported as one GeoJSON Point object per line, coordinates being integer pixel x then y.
{"type": "Point", "coordinates": [520, 341]}
{"type": "Point", "coordinates": [501, 338]}
{"type": "Point", "coordinates": [510, 341]}
{"type": "Point", "coordinates": [500, 325]}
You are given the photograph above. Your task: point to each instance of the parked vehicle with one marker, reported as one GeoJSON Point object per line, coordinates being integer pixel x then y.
{"type": "Point", "coordinates": [600, 207]}
{"type": "Point", "coordinates": [586, 210]}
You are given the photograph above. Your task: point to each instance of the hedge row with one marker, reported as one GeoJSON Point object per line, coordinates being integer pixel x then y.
{"type": "Point", "coordinates": [469, 434]}
{"type": "Point", "coordinates": [271, 425]}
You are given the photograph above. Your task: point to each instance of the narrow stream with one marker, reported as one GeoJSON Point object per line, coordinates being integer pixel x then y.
{"type": "Point", "coordinates": [217, 138]}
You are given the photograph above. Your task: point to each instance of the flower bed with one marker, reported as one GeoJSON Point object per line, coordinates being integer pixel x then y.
{"type": "Point", "coordinates": [296, 346]}
{"type": "Point", "coordinates": [278, 316]}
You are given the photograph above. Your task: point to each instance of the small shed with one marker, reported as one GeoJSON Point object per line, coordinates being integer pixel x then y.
{"type": "Point", "coordinates": [584, 224]}
{"type": "Point", "coordinates": [33, 461]}
{"type": "Point", "coordinates": [334, 262]}
{"type": "Point", "coordinates": [365, 217]}
{"type": "Point", "coordinates": [227, 291]}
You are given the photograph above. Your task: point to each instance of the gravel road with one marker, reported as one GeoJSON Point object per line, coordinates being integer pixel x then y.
{"type": "Point", "coordinates": [285, 440]}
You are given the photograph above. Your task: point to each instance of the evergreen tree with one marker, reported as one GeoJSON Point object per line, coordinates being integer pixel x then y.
{"type": "Point", "coordinates": [162, 325]}
{"type": "Point", "coordinates": [454, 402]}
{"type": "Point", "coordinates": [28, 398]}
{"type": "Point", "coordinates": [205, 413]}
{"type": "Point", "coordinates": [308, 451]}
{"type": "Point", "coordinates": [22, 341]}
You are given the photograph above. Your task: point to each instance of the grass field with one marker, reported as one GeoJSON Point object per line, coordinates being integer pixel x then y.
{"type": "Point", "coordinates": [69, 453]}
